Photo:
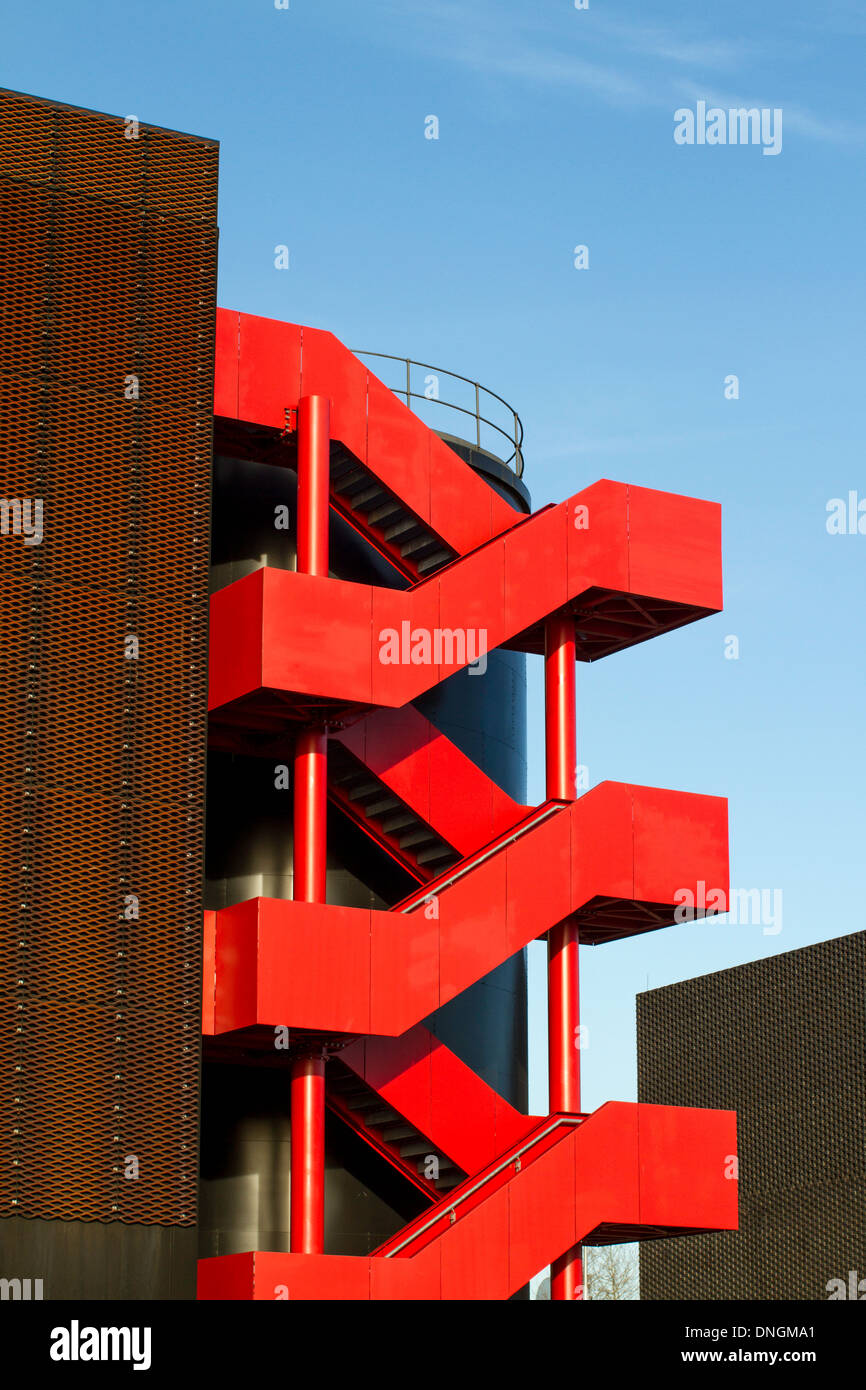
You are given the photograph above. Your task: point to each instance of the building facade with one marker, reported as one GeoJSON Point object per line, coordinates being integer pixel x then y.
{"type": "Point", "coordinates": [783, 1042]}
{"type": "Point", "coordinates": [107, 296]}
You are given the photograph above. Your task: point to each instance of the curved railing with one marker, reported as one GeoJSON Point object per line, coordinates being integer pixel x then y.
{"type": "Point", "coordinates": [511, 431]}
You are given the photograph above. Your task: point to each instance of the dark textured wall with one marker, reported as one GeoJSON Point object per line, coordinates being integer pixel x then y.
{"type": "Point", "coordinates": [107, 300]}
{"type": "Point", "coordinates": [783, 1042]}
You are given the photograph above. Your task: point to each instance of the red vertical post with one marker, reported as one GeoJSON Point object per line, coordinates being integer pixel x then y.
{"type": "Point", "coordinates": [310, 838]}
{"type": "Point", "coordinates": [566, 1274]}
{"type": "Point", "coordinates": [310, 782]}
{"type": "Point", "coordinates": [560, 716]}
{"type": "Point", "coordinates": [314, 441]}
{"type": "Point", "coordinates": [308, 1156]}
{"type": "Point", "coordinates": [311, 745]}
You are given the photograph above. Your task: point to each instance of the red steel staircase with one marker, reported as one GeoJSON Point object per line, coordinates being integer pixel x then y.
{"type": "Point", "coordinates": [615, 860]}
{"type": "Point", "coordinates": [504, 1193]}
{"type": "Point", "coordinates": [626, 1172]}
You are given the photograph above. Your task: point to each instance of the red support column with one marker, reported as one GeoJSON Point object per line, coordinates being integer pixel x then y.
{"type": "Point", "coordinates": [308, 1156]}
{"type": "Point", "coordinates": [310, 838]}
{"type": "Point", "coordinates": [314, 440]}
{"type": "Point", "coordinates": [564, 1018]}
{"type": "Point", "coordinates": [560, 716]}
{"type": "Point", "coordinates": [311, 814]}
{"type": "Point", "coordinates": [566, 1274]}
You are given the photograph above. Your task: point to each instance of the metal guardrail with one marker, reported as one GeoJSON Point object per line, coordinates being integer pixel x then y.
{"type": "Point", "coordinates": [513, 434]}
{"type": "Point", "coordinates": [472, 861]}
{"type": "Point", "coordinates": [513, 1160]}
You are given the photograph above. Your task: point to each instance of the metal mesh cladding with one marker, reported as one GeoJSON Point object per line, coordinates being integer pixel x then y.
{"type": "Point", "coordinates": [783, 1042]}
{"type": "Point", "coordinates": [107, 299]}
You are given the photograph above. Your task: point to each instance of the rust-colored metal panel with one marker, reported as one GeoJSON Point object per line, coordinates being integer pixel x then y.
{"type": "Point", "coordinates": [107, 297]}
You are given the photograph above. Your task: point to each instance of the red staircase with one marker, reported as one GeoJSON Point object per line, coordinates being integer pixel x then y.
{"type": "Point", "coordinates": [616, 860]}
{"type": "Point", "coordinates": [504, 1193]}
{"type": "Point", "coordinates": [648, 563]}
{"type": "Point", "coordinates": [626, 1172]}
{"type": "Point", "coordinates": [388, 1132]}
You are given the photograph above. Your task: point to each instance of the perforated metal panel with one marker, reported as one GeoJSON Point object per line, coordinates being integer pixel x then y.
{"type": "Point", "coordinates": [107, 301]}
{"type": "Point", "coordinates": [783, 1042]}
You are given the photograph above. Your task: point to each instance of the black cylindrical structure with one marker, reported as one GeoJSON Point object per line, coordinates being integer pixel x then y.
{"type": "Point", "coordinates": [245, 1109]}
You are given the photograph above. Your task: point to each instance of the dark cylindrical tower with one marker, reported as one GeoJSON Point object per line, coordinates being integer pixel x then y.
{"type": "Point", "coordinates": [246, 1107]}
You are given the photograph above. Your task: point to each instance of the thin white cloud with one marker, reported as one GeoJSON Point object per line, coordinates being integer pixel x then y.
{"type": "Point", "coordinates": [494, 42]}
{"type": "Point", "coordinates": [548, 68]}
{"type": "Point", "coordinates": [534, 47]}
{"type": "Point", "coordinates": [654, 41]}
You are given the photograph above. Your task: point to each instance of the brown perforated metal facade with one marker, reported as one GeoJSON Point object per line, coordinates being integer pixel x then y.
{"type": "Point", "coordinates": [783, 1042]}
{"type": "Point", "coordinates": [107, 302]}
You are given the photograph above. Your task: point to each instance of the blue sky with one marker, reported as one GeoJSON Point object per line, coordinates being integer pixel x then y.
{"type": "Point", "coordinates": [556, 129]}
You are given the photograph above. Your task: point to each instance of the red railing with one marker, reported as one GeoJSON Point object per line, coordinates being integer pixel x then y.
{"type": "Point", "coordinates": [475, 1190]}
